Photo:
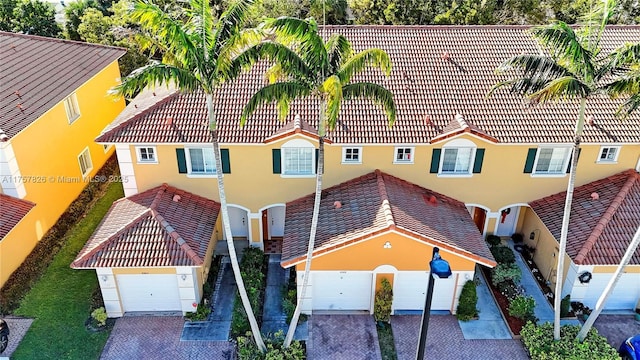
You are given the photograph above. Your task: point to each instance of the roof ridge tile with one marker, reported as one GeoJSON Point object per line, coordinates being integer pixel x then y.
{"type": "Point", "coordinates": [385, 204]}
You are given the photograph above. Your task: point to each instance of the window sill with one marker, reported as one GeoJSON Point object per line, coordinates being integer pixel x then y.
{"type": "Point", "coordinates": [606, 162]}
{"type": "Point", "coordinates": [543, 175]}
{"type": "Point", "coordinates": [403, 162]}
{"type": "Point", "coordinates": [453, 175]}
{"type": "Point", "coordinates": [201, 176]}
{"type": "Point", "coordinates": [285, 176]}
{"type": "Point", "coordinates": [351, 163]}
{"type": "Point", "coordinates": [147, 162]}
{"type": "Point", "coordinates": [72, 120]}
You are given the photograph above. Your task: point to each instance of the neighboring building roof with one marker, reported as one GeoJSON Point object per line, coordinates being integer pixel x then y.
{"type": "Point", "coordinates": [375, 203]}
{"type": "Point", "coordinates": [37, 73]}
{"type": "Point", "coordinates": [11, 212]}
{"type": "Point", "coordinates": [438, 72]}
{"type": "Point", "coordinates": [605, 214]}
{"type": "Point", "coordinates": [163, 226]}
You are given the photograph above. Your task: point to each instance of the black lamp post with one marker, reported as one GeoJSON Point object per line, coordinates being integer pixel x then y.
{"type": "Point", "coordinates": [440, 267]}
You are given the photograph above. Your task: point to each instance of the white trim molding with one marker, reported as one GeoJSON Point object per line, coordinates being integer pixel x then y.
{"type": "Point", "coordinates": [10, 176]}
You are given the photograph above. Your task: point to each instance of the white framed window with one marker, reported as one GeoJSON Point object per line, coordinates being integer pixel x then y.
{"type": "Point", "coordinates": [352, 155]}
{"type": "Point", "coordinates": [200, 161]}
{"type": "Point", "coordinates": [403, 155]}
{"type": "Point", "coordinates": [72, 108]}
{"type": "Point", "coordinates": [147, 154]}
{"type": "Point", "coordinates": [84, 159]}
{"type": "Point", "coordinates": [608, 154]}
{"type": "Point", "coordinates": [552, 161]}
{"type": "Point", "coordinates": [298, 158]}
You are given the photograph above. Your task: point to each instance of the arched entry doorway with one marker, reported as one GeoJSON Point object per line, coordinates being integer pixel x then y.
{"type": "Point", "coordinates": [239, 222]}
{"type": "Point", "coordinates": [479, 215]}
{"type": "Point", "coordinates": [507, 220]}
{"type": "Point", "coordinates": [272, 219]}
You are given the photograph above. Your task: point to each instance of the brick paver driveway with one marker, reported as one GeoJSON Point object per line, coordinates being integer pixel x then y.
{"type": "Point", "coordinates": [343, 337]}
{"type": "Point", "coordinates": [158, 337]}
{"type": "Point", "coordinates": [617, 328]}
{"type": "Point", "coordinates": [445, 341]}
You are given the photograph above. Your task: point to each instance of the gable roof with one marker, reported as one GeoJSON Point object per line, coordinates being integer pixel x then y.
{"type": "Point", "coordinates": [375, 203]}
{"type": "Point", "coordinates": [11, 212]}
{"type": "Point", "coordinates": [163, 226]}
{"type": "Point", "coordinates": [459, 126]}
{"type": "Point", "coordinates": [38, 72]}
{"type": "Point", "coordinates": [438, 72]}
{"type": "Point", "coordinates": [605, 215]}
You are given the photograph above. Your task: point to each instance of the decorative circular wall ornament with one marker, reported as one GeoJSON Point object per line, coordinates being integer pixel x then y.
{"type": "Point", "coordinates": [585, 277]}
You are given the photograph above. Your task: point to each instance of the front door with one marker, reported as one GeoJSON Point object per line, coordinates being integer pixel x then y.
{"type": "Point", "coordinates": [479, 217]}
{"type": "Point", "coordinates": [507, 221]}
{"type": "Point", "coordinates": [276, 221]}
{"type": "Point", "coordinates": [239, 222]}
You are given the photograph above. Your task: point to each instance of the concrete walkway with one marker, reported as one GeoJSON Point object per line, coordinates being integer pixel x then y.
{"type": "Point", "coordinates": [273, 316]}
{"type": "Point", "coordinates": [543, 310]}
{"type": "Point", "coordinates": [490, 324]}
{"type": "Point", "coordinates": [218, 326]}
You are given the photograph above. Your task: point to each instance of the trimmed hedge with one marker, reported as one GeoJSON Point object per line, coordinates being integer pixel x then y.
{"type": "Point", "coordinates": [504, 272]}
{"type": "Point", "coordinates": [248, 350]}
{"type": "Point", "coordinates": [494, 240]}
{"type": "Point", "coordinates": [32, 268]}
{"type": "Point", "coordinates": [467, 304]}
{"type": "Point", "coordinates": [539, 342]}
{"type": "Point", "coordinates": [252, 265]}
{"type": "Point", "coordinates": [503, 254]}
{"type": "Point", "coordinates": [383, 301]}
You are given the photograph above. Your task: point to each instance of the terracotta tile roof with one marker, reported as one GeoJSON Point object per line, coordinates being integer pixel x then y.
{"type": "Point", "coordinates": [297, 126]}
{"type": "Point", "coordinates": [438, 72]}
{"type": "Point", "coordinates": [605, 214]}
{"type": "Point", "coordinates": [459, 126]}
{"type": "Point", "coordinates": [12, 211]}
{"type": "Point", "coordinates": [163, 226]}
{"type": "Point", "coordinates": [38, 72]}
{"type": "Point", "coordinates": [375, 203]}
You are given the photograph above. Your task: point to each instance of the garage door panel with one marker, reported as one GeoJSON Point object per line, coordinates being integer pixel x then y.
{"type": "Point", "coordinates": [410, 289]}
{"type": "Point", "coordinates": [341, 290]}
{"type": "Point", "coordinates": [149, 292]}
{"type": "Point", "coordinates": [624, 296]}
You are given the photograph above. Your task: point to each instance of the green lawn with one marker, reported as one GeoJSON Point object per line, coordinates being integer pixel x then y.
{"type": "Point", "coordinates": [60, 301]}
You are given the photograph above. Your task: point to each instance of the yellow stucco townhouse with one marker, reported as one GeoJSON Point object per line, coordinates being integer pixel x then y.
{"type": "Point", "coordinates": [455, 167]}
{"type": "Point", "coordinates": [53, 103]}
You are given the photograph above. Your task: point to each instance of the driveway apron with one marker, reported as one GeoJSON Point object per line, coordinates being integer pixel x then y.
{"type": "Point", "coordinates": [445, 341]}
{"type": "Point", "coordinates": [343, 337]}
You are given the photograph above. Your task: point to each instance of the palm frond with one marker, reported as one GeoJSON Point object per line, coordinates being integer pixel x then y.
{"type": "Point", "coordinates": [374, 92]}
{"type": "Point", "coordinates": [535, 72]}
{"type": "Point", "coordinates": [201, 19]}
{"type": "Point", "coordinates": [563, 43]}
{"type": "Point", "coordinates": [230, 23]}
{"type": "Point", "coordinates": [562, 89]}
{"type": "Point", "coordinates": [338, 50]}
{"type": "Point", "coordinates": [238, 53]}
{"type": "Point", "coordinates": [156, 74]}
{"type": "Point", "coordinates": [165, 32]}
{"type": "Point", "coordinates": [626, 55]}
{"type": "Point", "coordinates": [301, 35]}
{"type": "Point", "coordinates": [290, 62]}
{"type": "Point", "coordinates": [332, 87]}
{"type": "Point", "coordinates": [370, 57]}
{"type": "Point", "coordinates": [626, 85]}
{"type": "Point", "coordinates": [282, 91]}
{"type": "Point", "coordinates": [629, 106]}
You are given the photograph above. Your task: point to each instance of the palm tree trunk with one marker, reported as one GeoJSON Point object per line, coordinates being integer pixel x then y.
{"type": "Point", "coordinates": [255, 329]}
{"type": "Point", "coordinates": [633, 246]}
{"type": "Point", "coordinates": [565, 221]}
{"type": "Point", "coordinates": [312, 234]}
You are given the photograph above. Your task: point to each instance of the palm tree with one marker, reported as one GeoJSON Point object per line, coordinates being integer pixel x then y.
{"type": "Point", "coordinates": [582, 334]}
{"type": "Point", "coordinates": [573, 69]}
{"type": "Point", "coordinates": [306, 66]}
{"type": "Point", "coordinates": [198, 55]}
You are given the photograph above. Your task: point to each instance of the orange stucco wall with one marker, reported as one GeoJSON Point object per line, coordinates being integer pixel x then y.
{"type": "Point", "coordinates": [405, 254]}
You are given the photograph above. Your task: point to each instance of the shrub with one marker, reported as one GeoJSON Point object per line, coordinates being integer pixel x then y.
{"type": "Point", "coordinates": [100, 316]}
{"type": "Point", "coordinates": [539, 342]}
{"type": "Point", "coordinates": [504, 272]}
{"type": "Point", "coordinates": [289, 301]}
{"type": "Point", "coordinates": [468, 300]}
{"type": "Point", "coordinates": [248, 350]}
{"type": "Point", "coordinates": [251, 269]}
{"type": "Point", "coordinates": [201, 313]}
{"type": "Point", "coordinates": [565, 304]}
{"type": "Point", "coordinates": [517, 238]}
{"type": "Point", "coordinates": [503, 254]}
{"type": "Point", "coordinates": [383, 301]}
{"type": "Point", "coordinates": [509, 289]}
{"type": "Point", "coordinates": [494, 240]}
{"type": "Point", "coordinates": [522, 307]}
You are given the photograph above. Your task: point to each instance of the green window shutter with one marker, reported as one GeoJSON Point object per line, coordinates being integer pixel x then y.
{"type": "Point", "coordinates": [226, 165]}
{"type": "Point", "coordinates": [531, 158]}
{"type": "Point", "coordinates": [435, 161]}
{"type": "Point", "coordinates": [182, 161]}
{"type": "Point", "coordinates": [477, 165]}
{"type": "Point", "coordinates": [571, 158]}
{"type": "Point", "coordinates": [275, 156]}
{"type": "Point", "coordinates": [317, 159]}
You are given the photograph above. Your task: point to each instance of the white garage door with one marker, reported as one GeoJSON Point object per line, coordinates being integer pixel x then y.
{"type": "Point", "coordinates": [149, 292]}
{"type": "Point", "coordinates": [624, 296]}
{"type": "Point", "coordinates": [410, 289]}
{"type": "Point", "coordinates": [339, 290]}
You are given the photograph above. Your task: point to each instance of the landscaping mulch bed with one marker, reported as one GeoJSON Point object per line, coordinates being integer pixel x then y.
{"type": "Point", "coordinates": [515, 324]}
